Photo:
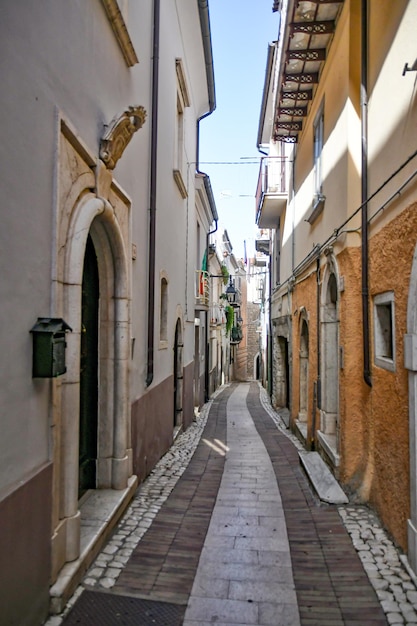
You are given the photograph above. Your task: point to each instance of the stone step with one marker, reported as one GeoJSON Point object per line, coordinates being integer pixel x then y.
{"type": "Point", "coordinates": [321, 478]}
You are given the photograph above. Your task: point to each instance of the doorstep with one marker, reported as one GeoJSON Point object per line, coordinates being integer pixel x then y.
{"type": "Point", "coordinates": [100, 511]}
{"type": "Point", "coordinates": [321, 478]}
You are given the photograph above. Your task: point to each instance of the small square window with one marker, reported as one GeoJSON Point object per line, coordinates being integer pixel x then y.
{"type": "Point", "coordinates": [384, 331]}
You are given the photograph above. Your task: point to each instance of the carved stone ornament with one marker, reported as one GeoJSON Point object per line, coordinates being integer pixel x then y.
{"type": "Point", "coordinates": [119, 133]}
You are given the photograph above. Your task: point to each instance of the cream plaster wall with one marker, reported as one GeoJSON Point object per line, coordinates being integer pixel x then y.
{"type": "Point", "coordinates": [374, 435]}
{"type": "Point", "coordinates": [339, 96]}
{"type": "Point", "coordinates": [64, 79]}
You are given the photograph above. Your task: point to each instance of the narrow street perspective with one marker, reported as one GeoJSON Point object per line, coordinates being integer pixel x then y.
{"type": "Point", "coordinates": [242, 538]}
{"type": "Point", "coordinates": [208, 320]}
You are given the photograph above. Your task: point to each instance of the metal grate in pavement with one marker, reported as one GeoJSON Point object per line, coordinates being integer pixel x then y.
{"type": "Point", "coordinates": [107, 609]}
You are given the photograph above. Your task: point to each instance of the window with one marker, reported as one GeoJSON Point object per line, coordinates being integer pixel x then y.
{"type": "Point", "coordinates": [183, 101]}
{"type": "Point", "coordinates": [277, 256]}
{"type": "Point", "coordinates": [163, 321]}
{"type": "Point", "coordinates": [318, 140]}
{"type": "Point", "coordinates": [384, 331]}
{"type": "Point", "coordinates": [318, 131]}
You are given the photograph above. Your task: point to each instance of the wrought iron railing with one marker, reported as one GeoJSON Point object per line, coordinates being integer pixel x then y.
{"type": "Point", "coordinates": [236, 334]}
{"type": "Point", "coordinates": [202, 287]}
{"type": "Point", "coordinates": [272, 178]}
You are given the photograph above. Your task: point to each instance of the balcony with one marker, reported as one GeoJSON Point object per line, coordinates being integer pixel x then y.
{"type": "Point", "coordinates": [236, 335]}
{"type": "Point", "coordinates": [271, 192]}
{"type": "Point", "coordinates": [217, 315]}
{"type": "Point", "coordinates": [202, 288]}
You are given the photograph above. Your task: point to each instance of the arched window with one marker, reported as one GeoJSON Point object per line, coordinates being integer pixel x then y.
{"type": "Point", "coordinates": [163, 322]}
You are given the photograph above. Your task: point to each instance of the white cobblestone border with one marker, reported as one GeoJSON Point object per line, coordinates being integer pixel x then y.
{"type": "Point", "coordinates": [149, 498]}
{"type": "Point", "coordinates": [395, 586]}
{"type": "Point", "coordinates": [381, 560]}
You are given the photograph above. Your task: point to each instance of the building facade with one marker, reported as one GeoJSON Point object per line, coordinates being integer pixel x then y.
{"type": "Point", "coordinates": [339, 193]}
{"type": "Point", "coordinates": [103, 230]}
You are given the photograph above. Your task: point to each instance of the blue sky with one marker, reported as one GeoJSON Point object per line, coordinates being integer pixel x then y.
{"type": "Point", "coordinates": [240, 31]}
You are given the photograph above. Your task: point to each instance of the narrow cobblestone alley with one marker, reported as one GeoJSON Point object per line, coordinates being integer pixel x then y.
{"type": "Point", "coordinates": [227, 530]}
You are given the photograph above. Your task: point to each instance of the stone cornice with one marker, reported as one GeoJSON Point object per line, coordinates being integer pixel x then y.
{"type": "Point", "coordinates": [120, 30]}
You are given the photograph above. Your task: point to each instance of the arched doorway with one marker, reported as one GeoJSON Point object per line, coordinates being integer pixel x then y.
{"type": "Point", "coordinates": [89, 371]}
{"type": "Point", "coordinates": [94, 240]}
{"type": "Point", "coordinates": [178, 377]}
{"type": "Point", "coordinates": [329, 416]}
{"type": "Point", "coordinates": [281, 394]}
{"type": "Point", "coordinates": [303, 373]}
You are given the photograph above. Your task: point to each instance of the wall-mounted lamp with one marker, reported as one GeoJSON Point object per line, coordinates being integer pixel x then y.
{"type": "Point", "coordinates": [407, 68]}
{"type": "Point", "coordinates": [231, 293]}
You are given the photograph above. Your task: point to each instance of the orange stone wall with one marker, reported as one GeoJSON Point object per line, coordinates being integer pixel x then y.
{"type": "Point", "coordinates": [373, 421]}
{"type": "Point", "coordinates": [391, 255]}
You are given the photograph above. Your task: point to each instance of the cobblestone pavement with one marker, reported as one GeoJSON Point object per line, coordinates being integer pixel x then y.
{"type": "Point", "coordinates": [386, 568]}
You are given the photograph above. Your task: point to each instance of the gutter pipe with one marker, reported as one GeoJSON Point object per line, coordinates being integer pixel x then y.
{"type": "Point", "coordinates": [152, 192]}
{"type": "Point", "coordinates": [203, 10]}
{"type": "Point", "coordinates": [364, 212]}
{"type": "Point", "coordinates": [210, 196]}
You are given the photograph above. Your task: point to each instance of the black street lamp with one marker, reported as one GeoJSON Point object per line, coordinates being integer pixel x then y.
{"type": "Point", "coordinates": [231, 294]}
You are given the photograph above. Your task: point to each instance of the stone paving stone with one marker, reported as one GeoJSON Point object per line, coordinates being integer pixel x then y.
{"type": "Point", "coordinates": [253, 584]}
{"type": "Point", "coordinates": [233, 611]}
{"type": "Point", "coordinates": [170, 546]}
{"type": "Point", "coordinates": [322, 553]}
{"type": "Point", "coordinates": [331, 584]}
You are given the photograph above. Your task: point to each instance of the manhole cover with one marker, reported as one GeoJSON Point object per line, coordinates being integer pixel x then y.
{"type": "Point", "coordinates": [95, 608]}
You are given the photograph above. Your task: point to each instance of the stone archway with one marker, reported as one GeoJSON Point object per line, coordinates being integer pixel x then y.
{"type": "Point", "coordinates": [178, 377]}
{"type": "Point", "coordinates": [89, 204]}
{"type": "Point", "coordinates": [303, 371]}
{"type": "Point", "coordinates": [329, 413]}
{"type": "Point", "coordinates": [95, 216]}
{"type": "Point", "coordinates": [410, 359]}
{"type": "Point", "coordinates": [281, 395]}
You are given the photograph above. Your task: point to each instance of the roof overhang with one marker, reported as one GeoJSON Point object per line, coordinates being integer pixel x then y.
{"type": "Point", "coordinates": [266, 118]}
{"type": "Point", "coordinates": [307, 29]}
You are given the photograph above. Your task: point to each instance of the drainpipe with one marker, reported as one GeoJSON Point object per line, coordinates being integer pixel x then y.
{"type": "Point", "coordinates": [152, 193]}
{"type": "Point", "coordinates": [364, 212]}
{"type": "Point", "coordinates": [271, 333]}
{"type": "Point", "coordinates": [317, 387]}
{"type": "Point", "coordinates": [203, 10]}
{"type": "Point", "coordinates": [207, 373]}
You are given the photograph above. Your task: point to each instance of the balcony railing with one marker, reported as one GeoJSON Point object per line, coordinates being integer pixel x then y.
{"type": "Point", "coordinates": [202, 287]}
{"type": "Point", "coordinates": [217, 315]}
{"type": "Point", "coordinates": [236, 335]}
{"type": "Point", "coordinates": [271, 191]}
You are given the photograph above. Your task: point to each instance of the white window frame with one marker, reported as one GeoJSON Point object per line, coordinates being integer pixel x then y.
{"type": "Point", "coordinates": [384, 331]}
{"type": "Point", "coordinates": [117, 13]}
{"type": "Point", "coordinates": [318, 143]}
{"type": "Point", "coordinates": [182, 102]}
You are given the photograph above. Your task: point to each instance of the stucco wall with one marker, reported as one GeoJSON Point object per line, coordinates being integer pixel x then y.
{"type": "Point", "coordinates": [152, 427]}
{"type": "Point", "coordinates": [25, 547]}
{"type": "Point", "coordinates": [353, 391]}
{"type": "Point", "coordinates": [152, 422]}
{"type": "Point", "coordinates": [390, 269]}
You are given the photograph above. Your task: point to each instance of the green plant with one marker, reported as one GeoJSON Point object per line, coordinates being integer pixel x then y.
{"type": "Point", "coordinates": [230, 318]}
{"type": "Point", "coordinates": [225, 273]}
